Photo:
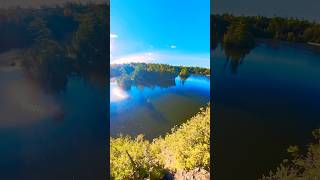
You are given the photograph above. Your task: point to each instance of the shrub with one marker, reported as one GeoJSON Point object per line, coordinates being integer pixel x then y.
{"type": "Point", "coordinates": [301, 166]}
{"type": "Point", "coordinates": [185, 148]}
{"type": "Point", "coordinates": [131, 159]}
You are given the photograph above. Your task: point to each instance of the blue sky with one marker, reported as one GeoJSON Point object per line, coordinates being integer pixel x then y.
{"type": "Point", "coordinates": [162, 31]}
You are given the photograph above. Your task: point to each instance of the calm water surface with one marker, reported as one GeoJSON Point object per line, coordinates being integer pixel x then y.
{"type": "Point", "coordinates": [50, 128]}
{"type": "Point", "coordinates": [264, 102]}
{"type": "Point", "coordinates": [154, 109]}
{"type": "Point", "coordinates": [53, 100]}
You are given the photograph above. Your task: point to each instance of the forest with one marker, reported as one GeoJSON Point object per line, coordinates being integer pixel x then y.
{"type": "Point", "coordinates": [135, 68]}
{"type": "Point", "coordinates": [240, 31]}
{"type": "Point", "coordinates": [49, 53]}
{"type": "Point", "coordinates": [149, 74]}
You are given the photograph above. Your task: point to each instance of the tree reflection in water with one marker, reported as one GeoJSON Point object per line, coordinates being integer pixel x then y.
{"type": "Point", "coordinates": [234, 55]}
{"type": "Point", "coordinates": [81, 49]}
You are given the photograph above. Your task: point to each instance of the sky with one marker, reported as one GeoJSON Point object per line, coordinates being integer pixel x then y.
{"type": "Point", "coordinates": [160, 31]}
{"type": "Point", "coordinates": [306, 9]}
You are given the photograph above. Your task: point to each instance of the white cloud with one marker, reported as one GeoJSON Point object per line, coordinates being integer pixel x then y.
{"type": "Point", "coordinates": [137, 58]}
{"type": "Point", "coordinates": [202, 60]}
{"type": "Point", "coordinates": [173, 46]}
{"type": "Point", "coordinates": [177, 59]}
{"type": "Point", "coordinates": [113, 36]}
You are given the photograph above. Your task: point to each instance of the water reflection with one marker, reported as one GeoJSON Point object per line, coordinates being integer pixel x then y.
{"type": "Point", "coordinates": [33, 76]}
{"type": "Point", "coordinates": [235, 57]}
{"type": "Point", "coordinates": [22, 100]}
{"type": "Point", "coordinates": [154, 108]}
{"type": "Point", "coordinates": [53, 91]}
{"type": "Point", "coordinates": [117, 93]}
{"type": "Point", "coordinates": [269, 104]}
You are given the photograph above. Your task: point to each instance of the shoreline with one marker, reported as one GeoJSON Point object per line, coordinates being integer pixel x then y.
{"type": "Point", "coordinates": [307, 45]}
{"type": "Point", "coordinates": [313, 44]}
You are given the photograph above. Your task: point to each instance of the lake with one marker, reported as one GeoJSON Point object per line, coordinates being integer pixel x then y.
{"type": "Point", "coordinates": [265, 100]}
{"type": "Point", "coordinates": [153, 108]}
{"type": "Point", "coordinates": [53, 125]}
{"type": "Point", "coordinates": [54, 92]}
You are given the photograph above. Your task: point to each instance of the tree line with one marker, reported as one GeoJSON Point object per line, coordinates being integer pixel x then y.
{"type": "Point", "coordinates": [240, 31]}
{"type": "Point", "coordinates": [136, 68]}
{"type": "Point", "coordinates": [151, 74]}
{"type": "Point", "coordinates": [59, 41]}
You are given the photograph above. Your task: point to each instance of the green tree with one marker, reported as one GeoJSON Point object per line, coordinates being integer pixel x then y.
{"type": "Point", "coordinates": [301, 166]}
{"type": "Point", "coordinates": [238, 35]}
{"type": "Point", "coordinates": [184, 72]}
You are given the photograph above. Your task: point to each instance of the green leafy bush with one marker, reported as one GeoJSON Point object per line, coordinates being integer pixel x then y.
{"type": "Point", "coordinates": [185, 148]}
{"type": "Point", "coordinates": [301, 167]}
{"type": "Point", "coordinates": [132, 159]}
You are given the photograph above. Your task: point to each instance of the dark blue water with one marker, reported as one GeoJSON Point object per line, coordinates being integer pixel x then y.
{"type": "Point", "coordinates": [47, 133]}
{"type": "Point", "coordinates": [53, 107]}
{"type": "Point", "coordinates": [264, 102]}
{"type": "Point", "coordinates": [154, 110]}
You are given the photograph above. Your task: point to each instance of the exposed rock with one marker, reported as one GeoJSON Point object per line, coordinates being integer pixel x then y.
{"type": "Point", "coordinates": [196, 174]}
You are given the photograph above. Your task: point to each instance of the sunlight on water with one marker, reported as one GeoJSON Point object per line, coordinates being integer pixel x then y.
{"type": "Point", "coordinates": [117, 93]}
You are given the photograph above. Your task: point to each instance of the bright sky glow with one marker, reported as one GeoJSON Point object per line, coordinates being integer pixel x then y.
{"type": "Point", "coordinates": [161, 31]}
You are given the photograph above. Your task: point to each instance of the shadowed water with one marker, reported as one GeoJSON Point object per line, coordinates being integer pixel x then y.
{"type": "Point", "coordinates": [266, 99]}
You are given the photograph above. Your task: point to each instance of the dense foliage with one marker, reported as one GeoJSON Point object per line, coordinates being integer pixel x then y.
{"type": "Point", "coordinates": [186, 147]}
{"type": "Point", "coordinates": [237, 28]}
{"type": "Point", "coordinates": [301, 166]}
{"type": "Point", "coordinates": [152, 74]}
{"type": "Point", "coordinates": [56, 42]}
{"type": "Point", "coordinates": [238, 35]}
{"type": "Point", "coordinates": [136, 68]}
{"type": "Point", "coordinates": [134, 159]}
{"type": "Point", "coordinates": [184, 72]}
